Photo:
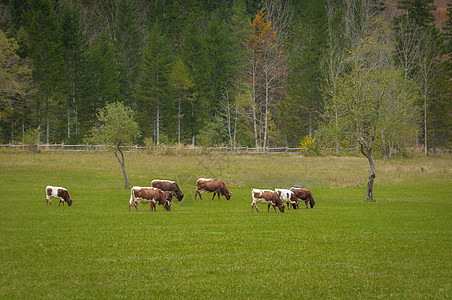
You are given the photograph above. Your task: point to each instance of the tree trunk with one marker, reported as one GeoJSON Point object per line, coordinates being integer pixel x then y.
{"type": "Point", "coordinates": [370, 182]}
{"type": "Point", "coordinates": [68, 112]}
{"type": "Point", "coordinates": [178, 121]}
{"type": "Point", "coordinates": [383, 146]}
{"type": "Point", "coordinates": [266, 113]}
{"type": "Point", "coordinates": [425, 128]}
{"type": "Point", "coordinates": [158, 125]}
{"type": "Point", "coordinates": [121, 162]}
{"type": "Point", "coordinates": [47, 121]}
{"type": "Point", "coordinates": [366, 150]}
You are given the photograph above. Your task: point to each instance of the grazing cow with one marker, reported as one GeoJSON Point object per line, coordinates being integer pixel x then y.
{"type": "Point", "coordinates": [266, 197]}
{"type": "Point", "coordinates": [57, 192]}
{"type": "Point", "coordinates": [211, 185]}
{"type": "Point", "coordinates": [167, 185]}
{"type": "Point", "coordinates": [287, 196]}
{"type": "Point", "coordinates": [150, 195]}
{"type": "Point", "coordinates": [305, 195]}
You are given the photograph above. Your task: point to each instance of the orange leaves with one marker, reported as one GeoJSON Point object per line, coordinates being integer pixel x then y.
{"type": "Point", "coordinates": [263, 35]}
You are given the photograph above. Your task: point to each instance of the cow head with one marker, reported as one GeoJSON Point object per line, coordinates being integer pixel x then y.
{"type": "Point", "coordinates": [67, 198]}
{"type": "Point", "coordinates": [312, 202]}
{"type": "Point", "coordinates": [228, 195]}
{"type": "Point", "coordinates": [168, 196]}
{"type": "Point", "coordinates": [279, 203]}
{"type": "Point", "coordinates": [179, 196]}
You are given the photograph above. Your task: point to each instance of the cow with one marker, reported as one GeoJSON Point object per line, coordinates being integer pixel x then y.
{"type": "Point", "coordinates": [57, 192]}
{"type": "Point", "coordinates": [287, 196]}
{"type": "Point", "coordinates": [150, 195]}
{"type": "Point", "coordinates": [305, 195]}
{"type": "Point", "coordinates": [167, 185]}
{"type": "Point", "coordinates": [211, 185]}
{"type": "Point", "coordinates": [266, 197]}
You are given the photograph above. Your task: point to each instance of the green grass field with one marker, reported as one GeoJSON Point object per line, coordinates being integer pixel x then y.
{"type": "Point", "coordinates": [398, 247]}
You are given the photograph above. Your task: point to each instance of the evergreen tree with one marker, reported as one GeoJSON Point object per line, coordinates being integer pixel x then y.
{"type": "Point", "coordinates": [154, 105]}
{"type": "Point", "coordinates": [45, 48]}
{"type": "Point", "coordinates": [419, 12]}
{"type": "Point", "coordinates": [304, 100]}
{"type": "Point", "coordinates": [127, 39]}
{"type": "Point", "coordinates": [103, 84]}
{"type": "Point", "coordinates": [182, 84]}
{"type": "Point", "coordinates": [194, 57]}
{"type": "Point", "coordinates": [76, 57]}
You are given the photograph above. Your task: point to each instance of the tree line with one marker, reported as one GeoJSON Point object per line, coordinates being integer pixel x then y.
{"type": "Point", "coordinates": [256, 73]}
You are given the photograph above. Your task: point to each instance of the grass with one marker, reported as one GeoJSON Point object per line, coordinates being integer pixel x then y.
{"type": "Point", "coordinates": [398, 247]}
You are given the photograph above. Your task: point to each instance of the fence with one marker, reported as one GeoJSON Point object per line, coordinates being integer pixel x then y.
{"type": "Point", "coordinates": [179, 149]}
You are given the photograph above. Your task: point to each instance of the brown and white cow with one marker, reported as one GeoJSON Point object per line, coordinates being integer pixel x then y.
{"type": "Point", "coordinates": [213, 186]}
{"type": "Point", "coordinates": [287, 196]}
{"type": "Point", "coordinates": [150, 195]}
{"type": "Point", "coordinates": [57, 192]}
{"type": "Point", "coordinates": [266, 197]}
{"type": "Point", "coordinates": [305, 195]}
{"type": "Point", "coordinates": [167, 185]}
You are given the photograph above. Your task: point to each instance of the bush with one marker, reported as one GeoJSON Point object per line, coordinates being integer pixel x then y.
{"type": "Point", "coordinates": [309, 146]}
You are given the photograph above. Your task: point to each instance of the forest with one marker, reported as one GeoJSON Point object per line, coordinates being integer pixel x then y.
{"type": "Point", "coordinates": [257, 73]}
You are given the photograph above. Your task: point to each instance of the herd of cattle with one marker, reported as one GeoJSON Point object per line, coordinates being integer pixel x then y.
{"type": "Point", "coordinates": [162, 191]}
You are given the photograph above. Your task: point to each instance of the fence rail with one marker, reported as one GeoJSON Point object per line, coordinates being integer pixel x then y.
{"type": "Point", "coordinates": [178, 149]}
{"type": "Point", "coordinates": [188, 149]}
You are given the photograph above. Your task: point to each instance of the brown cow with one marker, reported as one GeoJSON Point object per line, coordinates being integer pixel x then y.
{"type": "Point", "coordinates": [57, 192]}
{"type": "Point", "coordinates": [150, 195]}
{"type": "Point", "coordinates": [167, 185]}
{"type": "Point", "coordinates": [305, 195]}
{"type": "Point", "coordinates": [267, 197]}
{"type": "Point", "coordinates": [211, 185]}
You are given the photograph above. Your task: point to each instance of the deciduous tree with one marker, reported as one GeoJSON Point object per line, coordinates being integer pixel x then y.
{"type": "Point", "coordinates": [118, 129]}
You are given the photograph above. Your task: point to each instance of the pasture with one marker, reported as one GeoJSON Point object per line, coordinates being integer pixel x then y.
{"type": "Point", "coordinates": [398, 247]}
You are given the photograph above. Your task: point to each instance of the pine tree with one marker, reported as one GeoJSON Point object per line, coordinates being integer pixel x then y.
{"type": "Point", "coordinates": [194, 57]}
{"type": "Point", "coordinates": [304, 96]}
{"type": "Point", "coordinates": [76, 58]}
{"type": "Point", "coordinates": [45, 48]}
{"type": "Point", "coordinates": [127, 39]}
{"type": "Point", "coordinates": [154, 103]}
{"type": "Point", "coordinates": [102, 85]}
{"type": "Point", "coordinates": [182, 84]}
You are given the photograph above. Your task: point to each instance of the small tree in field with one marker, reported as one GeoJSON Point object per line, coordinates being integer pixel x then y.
{"type": "Point", "coordinates": [374, 100]}
{"type": "Point", "coordinates": [118, 129]}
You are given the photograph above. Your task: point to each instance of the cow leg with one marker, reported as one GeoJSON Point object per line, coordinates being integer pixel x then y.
{"type": "Point", "coordinates": [198, 193]}
{"type": "Point", "coordinates": [306, 202]}
{"type": "Point", "coordinates": [218, 193]}
{"type": "Point", "coordinates": [268, 208]}
{"type": "Point", "coordinates": [214, 195]}
{"type": "Point", "coordinates": [255, 206]}
{"type": "Point", "coordinates": [48, 201]}
{"type": "Point", "coordinates": [136, 205]}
